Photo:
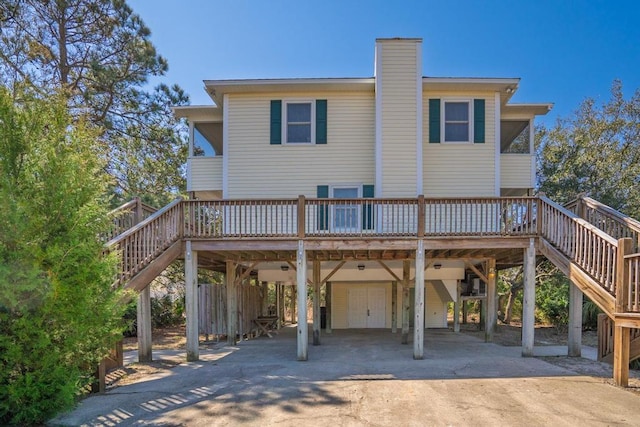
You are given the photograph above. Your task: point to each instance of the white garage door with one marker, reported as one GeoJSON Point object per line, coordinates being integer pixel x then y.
{"type": "Point", "coordinates": [367, 307]}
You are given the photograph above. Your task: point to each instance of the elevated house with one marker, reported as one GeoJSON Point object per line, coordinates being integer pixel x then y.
{"type": "Point", "coordinates": [396, 194]}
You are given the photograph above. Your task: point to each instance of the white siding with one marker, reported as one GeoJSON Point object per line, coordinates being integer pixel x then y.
{"type": "Point", "coordinates": [515, 171]}
{"type": "Point", "coordinates": [260, 170]}
{"type": "Point", "coordinates": [435, 306]}
{"type": "Point", "coordinates": [459, 170]}
{"type": "Point", "coordinates": [205, 173]}
{"type": "Point", "coordinates": [398, 89]}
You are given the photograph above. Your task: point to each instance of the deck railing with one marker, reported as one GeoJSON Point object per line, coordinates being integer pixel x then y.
{"type": "Point", "coordinates": [609, 220]}
{"type": "Point", "coordinates": [220, 219]}
{"type": "Point", "coordinates": [313, 218]}
{"type": "Point", "coordinates": [605, 336]}
{"type": "Point", "coordinates": [583, 243]}
{"type": "Point", "coordinates": [126, 216]}
{"type": "Point", "coordinates": [142, 243]}
{"type": "Point", "coordinates": [632, 265]}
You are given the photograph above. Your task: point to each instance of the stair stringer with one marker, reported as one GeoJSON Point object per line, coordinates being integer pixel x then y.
{"type": "Point", "coordinates": [142, 279]}
{"type": "Point", "coordinates": [590, 287]}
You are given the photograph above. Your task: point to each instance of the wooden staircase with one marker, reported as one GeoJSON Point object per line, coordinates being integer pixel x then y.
{"type": "Point", "coordinates": [618, 226]}
{"type": "Point", "coordinates": [150, 244]}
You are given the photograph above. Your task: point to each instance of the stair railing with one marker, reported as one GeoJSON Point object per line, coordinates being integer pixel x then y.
{"type": "Point", "coordinates": [142, 243]}
{"type": "Point", "coordinates": [126, 216]}
{"type": "Point", "coordinates": [587, 246]}
{"type": "Point", "coordinates": [614, 223]}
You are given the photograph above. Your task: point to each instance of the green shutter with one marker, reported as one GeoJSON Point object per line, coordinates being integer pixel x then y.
{"type": "Point", "coordinates": [434, 120]}
{"type": "Point", "coordinates": [367, 208]}
{"type": "Point", "coordinates": [478, 121]}
{"type": "Point", "coordinates": [276, 122]}
{"type": "Point", "coordinates": [322, 192]}
{"type": "Point", "coordinates": [321, 121]}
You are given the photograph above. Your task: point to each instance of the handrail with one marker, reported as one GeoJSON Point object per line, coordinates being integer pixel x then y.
{"type": "Point", "coordinates": [362, 217]}
{"type": "Point", "coordinates": [589, 247]}
{"type": "Point", "coordinates": [632, 268]}
{"type": "Point", "coordinates": [611, 221]}
{"type": "Point", "coordinates": [142, 224]}
{"type": "Point", "coordinates": [141, 244]}
{"type": "Point", "coordinates": [126, 216]}
{"type": "Point", "coordinates": [592, 249]}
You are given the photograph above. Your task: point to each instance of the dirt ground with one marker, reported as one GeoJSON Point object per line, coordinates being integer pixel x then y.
{"type": "Point", "coordinates": [511, 335]}
{"type": "Point", "coordinates": [174, 338]}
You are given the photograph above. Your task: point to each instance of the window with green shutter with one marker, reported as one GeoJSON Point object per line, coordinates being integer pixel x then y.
{"type": "Point", "coordinates": [457, 120]}
{"type": "Point", "coordinates": [321, 121]}
{"type": "Point", "coordinates": [295, 121]}
{"type": "Point", "coordinates": [434, 121]}
{"type": "Point", "coordinates": [276, 122]}
{"type": "Point", "coordinates": [367, 208]}
{"type": "Point", "coordinates": [322, 192]}
{"type": "Point", "coordinates": [478, 121]}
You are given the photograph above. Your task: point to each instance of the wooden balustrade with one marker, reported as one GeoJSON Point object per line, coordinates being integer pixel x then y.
{"type": "Point", "coordinates": [586, 245]}
{"type": "Point", "coordinates": [493, 216]}
{"type": "Point", "coordinates": [361, 217]}
{"type": "Point", "coordinates": [609, 220]}
{"type": "Point", "coordinates": [139, 245]}
{"type": "Point", "coordinates": [632, 265]}
{"type": "Point", "coordinates": [218, 219]}
{"type": "Point", "coordinates": [126, 216]}
{"type": "Point", "coordinates": [312, 218]}
{"type": "Point", "coordinates": [605, 335]}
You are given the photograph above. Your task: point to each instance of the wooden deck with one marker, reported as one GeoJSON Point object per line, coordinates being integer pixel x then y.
{"type": "Point", "coordinates": [500, 230]}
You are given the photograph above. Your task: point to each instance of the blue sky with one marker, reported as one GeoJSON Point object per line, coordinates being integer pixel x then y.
{"type": "Point", "coordinates": [563, 50]}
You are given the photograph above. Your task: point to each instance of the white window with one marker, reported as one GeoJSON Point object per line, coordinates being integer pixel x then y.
{"type": "Point", "coordinates": [299, 120]}
{"type": "Point", "coordinates": [346, 217]}
{"type": "Point", "coordinates": [457, 121]}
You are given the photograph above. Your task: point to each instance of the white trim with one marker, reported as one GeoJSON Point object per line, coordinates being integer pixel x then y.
{"type": "Point", "coordinates": [532, 152]}
{"type": "Point", "coordinates": [332, 225]}
{"type": "Point", "coordinates": [419, 160]}
{"type": "Point", "coordinates": [285, 123]}
{"type": "Point", "coordinates": [443, 115]}
{"type": "Point", "coordinates": [346, 187]}
{"type": "Point", "coordinates": [378, 146]}
{"type": "Point", "coordinates": [225, 146]}
{"type": "Point", "coordinates": [497, 145]}
{"type": "Point", "coordinates": [190, 154]}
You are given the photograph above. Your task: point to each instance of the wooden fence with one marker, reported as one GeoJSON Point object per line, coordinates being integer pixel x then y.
{"type": "Point", "coordinates": [213, 309]}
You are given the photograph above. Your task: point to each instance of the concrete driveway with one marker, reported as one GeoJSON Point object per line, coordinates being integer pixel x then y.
{"type": "Point", "coordinates": [364, 378]}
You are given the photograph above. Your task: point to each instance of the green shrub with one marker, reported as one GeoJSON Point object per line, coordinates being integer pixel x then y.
{"type": "Point", "coordinates": [59, 315]}
{"type": "Point", "coordinates": [552, 301]}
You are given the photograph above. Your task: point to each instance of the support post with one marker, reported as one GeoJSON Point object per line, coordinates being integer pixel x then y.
{"type": "Point", "coordinates": [406, 272]}
{"type": "Point", "coordinates": [303, 329]}
{"type": "Point", "coordinates": [418, 323]}
{"type": "Point", "coordinates": [394, 307]}
{"type": "Point", "coordinates": [529, 300]}
{"type": "Point", "coordinates": [464, 312]}
{"type": "Point", "coordinates": [316, 302]}
{"type": "Point", "coordinates": [574, 340]}
{"type": "Point", "coordinates": [621, 348]}
{"type": "Point", "coordinates": [621, 334]}
{"type": "Point", "coordinates": [232, 303]}
{"type": "Point", "coordinates": [292, 306]}
{"type": "Point", "coordinates": [491, 317]}
{"type": "Point", "coordinates": [456, 310]}
{"type": "Point", "coordinates": [265, 298]}
{"type": "Point", "coordinates": [328, 306]}
{"type": "Point", "coordinates": [283, 287]}
{"type": "Point", "coordinates": [144, 325]}
{"type": "Point", "coordinates": [279, 304]}
{"type": "Point", "coordinates": [191, 302]}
